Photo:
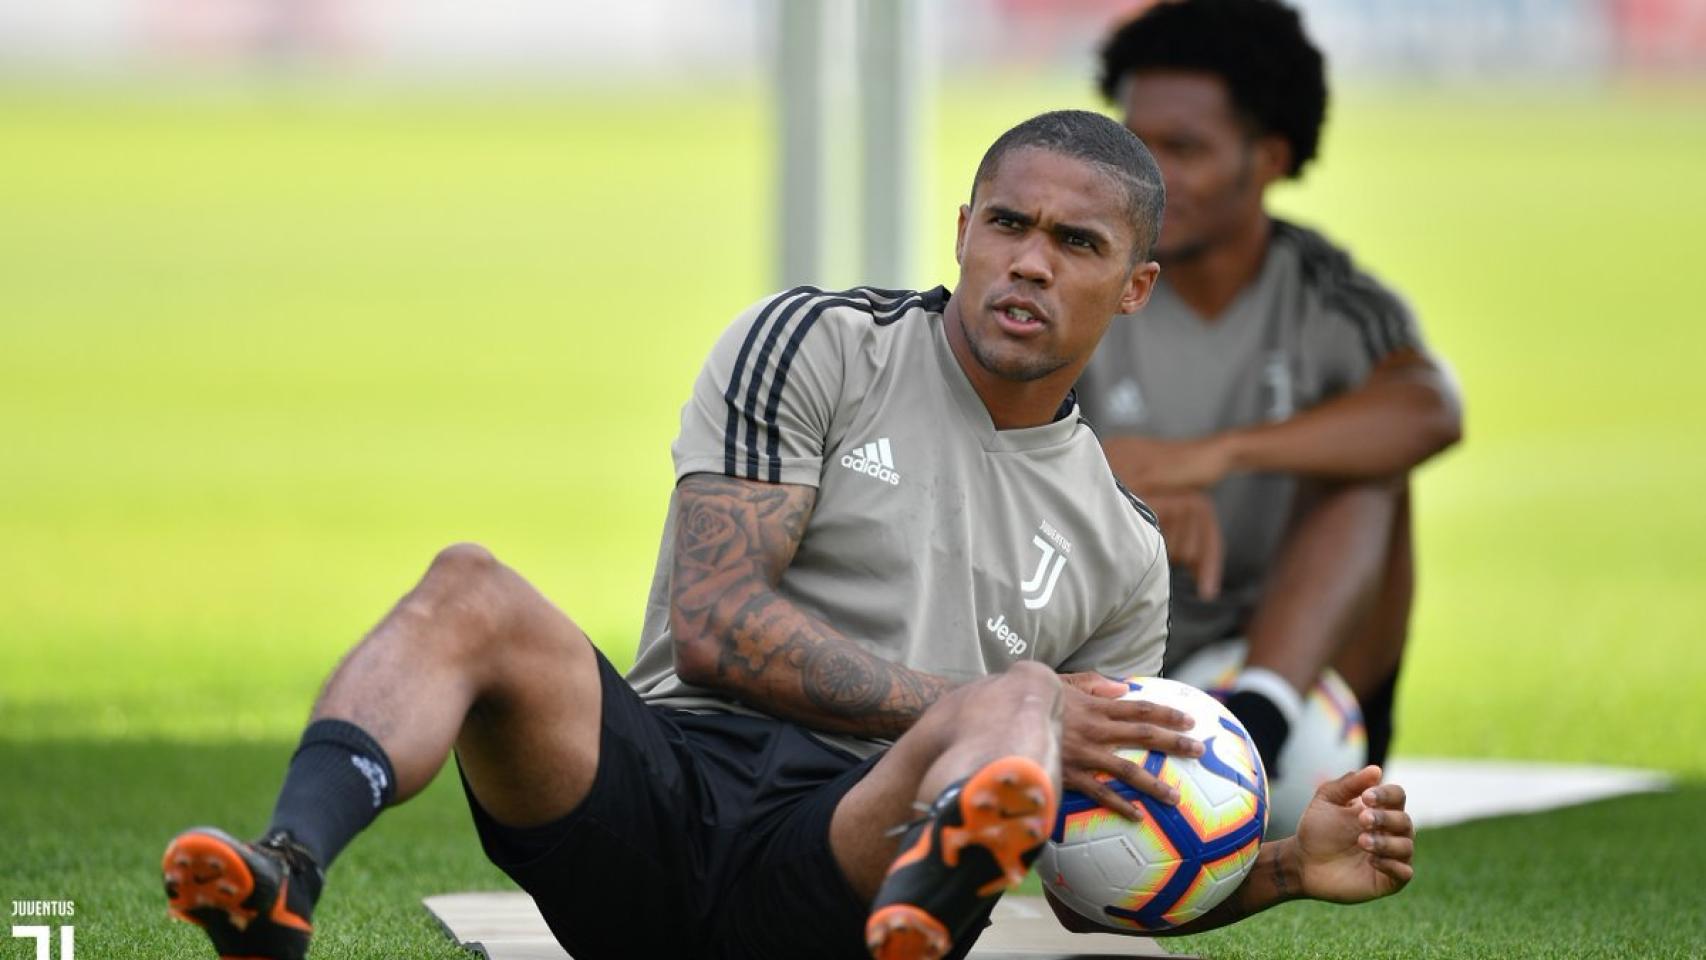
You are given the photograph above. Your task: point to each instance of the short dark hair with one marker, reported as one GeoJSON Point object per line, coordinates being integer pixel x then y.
{"type": "Point", "coordinates": [1274, 74]}
{"type": "Point", "coordinates": [1096, 140]}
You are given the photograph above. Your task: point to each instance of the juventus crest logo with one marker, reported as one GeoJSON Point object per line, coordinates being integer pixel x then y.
{"type": "Point", "coordinates": [1040, 587]}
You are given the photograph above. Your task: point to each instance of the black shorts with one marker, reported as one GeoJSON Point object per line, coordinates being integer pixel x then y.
{"type": "Point", "coordinates": [704, 835]}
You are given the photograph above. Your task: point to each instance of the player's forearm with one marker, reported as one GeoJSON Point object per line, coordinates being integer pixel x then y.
{"type": "Point", "coordinates": [1276, 878]}
{"type": "Point", "coordinates": [756, 646]}
{"type": "Point", "coordinates": [733, 632]}
{"type": "Point", "coordinates": [1386, 427]}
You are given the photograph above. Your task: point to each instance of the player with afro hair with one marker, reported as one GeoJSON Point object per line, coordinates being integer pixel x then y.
{"type": "Point", "coordinates": [1274, 75]}
{"type": "Point", "coordinates": [1272, 398]}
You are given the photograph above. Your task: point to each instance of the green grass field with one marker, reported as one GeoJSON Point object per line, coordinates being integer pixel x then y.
{"type": "Point", "coordinates": [262, 352]}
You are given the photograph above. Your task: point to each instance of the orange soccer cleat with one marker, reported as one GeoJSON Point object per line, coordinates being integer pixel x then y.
{"type": "Point", "coordinates": [978, 839]}
{"type": "Point", "coordinates": [253, 899]}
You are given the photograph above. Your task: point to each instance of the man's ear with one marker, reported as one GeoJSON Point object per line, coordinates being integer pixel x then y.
{"type": "Point", "coordinates": [1139, 286]}
{"type": "Point", "coordinates": [1272, 158]}
{"type": "Point", "coordinates": [960, 235]}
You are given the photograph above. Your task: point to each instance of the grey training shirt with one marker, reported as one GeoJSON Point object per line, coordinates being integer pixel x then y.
{"type": "Point", "coordinates": [936, 541]}
{"type": "Point", "coordinates": [1311, 326]}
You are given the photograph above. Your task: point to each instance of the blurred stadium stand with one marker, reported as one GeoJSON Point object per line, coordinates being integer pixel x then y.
{"type": "Point", "coordinates": [852, 78]}
{"type": "Point", "coordinates": [580, 40]}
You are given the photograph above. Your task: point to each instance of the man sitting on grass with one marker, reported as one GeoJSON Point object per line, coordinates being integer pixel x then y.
{"type": "Point", "coordinates": [819, 699]}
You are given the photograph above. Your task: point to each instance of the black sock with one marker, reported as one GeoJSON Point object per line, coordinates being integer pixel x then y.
{"type": "Point", "coordinates": [1265, 723]}
{"type": "Point", "coordinates": [338, 781]}
{"type": "Point", "coordinates": [1377, 719]}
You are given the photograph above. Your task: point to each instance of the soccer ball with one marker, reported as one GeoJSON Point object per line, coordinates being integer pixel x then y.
{"type": "Point", "coordinates": [1327, 742]}
{"type": "Point", "coordinates": [1178, 862]}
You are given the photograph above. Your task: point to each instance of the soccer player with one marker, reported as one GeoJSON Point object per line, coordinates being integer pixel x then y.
{"type": "Point", "coordinates": [1271, 399]}
{"type": "Point", "coordinates": [896, 575]}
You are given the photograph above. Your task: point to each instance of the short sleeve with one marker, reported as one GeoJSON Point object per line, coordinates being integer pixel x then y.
{"type": "Point", "coordinates": [1131, 642]}
{"type": "Point", "coordinates": [763, 401]}
{"type": "Point", "coordinates": [1359, 323]}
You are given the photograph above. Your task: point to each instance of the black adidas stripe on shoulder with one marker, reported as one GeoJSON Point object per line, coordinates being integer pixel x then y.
{"type": "Point", "coordinates": [731, 393]}
{"type": "Point", "coordinates": [1379, 317]}
{"type": "Point", "coordinates": [752, 412]}
{"type": "Point", "coordinates": [1138, 505]}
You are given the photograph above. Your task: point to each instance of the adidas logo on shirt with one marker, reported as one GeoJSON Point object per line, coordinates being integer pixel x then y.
{"type": "Point", "coordinates": [874, 459]}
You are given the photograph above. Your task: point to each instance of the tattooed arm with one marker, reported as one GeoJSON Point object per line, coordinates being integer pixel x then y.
{"type": "Point", "coordinates": [734, 633]}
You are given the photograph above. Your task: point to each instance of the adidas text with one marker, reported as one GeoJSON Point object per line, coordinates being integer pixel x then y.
{"type": "Point", "coordinates": [874, 459]}
{"type": "Point", "coordinates": [375, 775]}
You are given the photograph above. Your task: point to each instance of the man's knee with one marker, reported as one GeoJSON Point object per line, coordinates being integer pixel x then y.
{"type": "Point", "coordinates": [1028, 678]}
{"type": "Point", "coordinates": [1007, 692]}
{"type": "Point", "coordinates": [466, 594]}
{"type": "Point", "coordinates": [1036, 690]}
{"type": "Point", "coordinates": [463, 561]}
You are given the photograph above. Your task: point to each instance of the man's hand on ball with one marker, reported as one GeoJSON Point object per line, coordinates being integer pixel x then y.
{"type": "Point", "coordinates": [1355, 841]}
{"type": "Point", "coordinates": [1095, 723]}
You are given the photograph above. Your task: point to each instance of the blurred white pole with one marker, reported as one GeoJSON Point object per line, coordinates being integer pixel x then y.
{"type": "Point", "coordinates": [891, 67]}
{"type": "Point", "coordinates": [803, 115]}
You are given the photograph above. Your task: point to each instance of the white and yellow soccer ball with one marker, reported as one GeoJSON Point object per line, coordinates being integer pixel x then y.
{"type": "Point", "coordinates": [1327, 742]}
{"type": "Point", "coordinates": [1178, 862]}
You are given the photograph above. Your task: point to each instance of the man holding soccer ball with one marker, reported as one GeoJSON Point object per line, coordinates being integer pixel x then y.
{"type": "Point", "coordinates": [858, 697]}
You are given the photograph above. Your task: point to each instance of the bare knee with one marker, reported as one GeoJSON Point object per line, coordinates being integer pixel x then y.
{"type": "Point", "coordinates": [975, 705]}
{"type": "Point", "coordinates": [466, 572]}
{"type": "Point", "coordinates": [1023, 682]}
{"type": "Point", "coordinates": [1015, 712]}
{"type": "Point", "coordinates": [1029, 673]}
{"type": "Point", "coordinates": [464, 597]}
{"type": "Point", "coordinates": [463, 560]}
{"type": "Point", "coordinates": [1033, 691]}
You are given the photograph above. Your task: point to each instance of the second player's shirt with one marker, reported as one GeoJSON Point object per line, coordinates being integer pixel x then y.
{"type": "Point", "coordinates": [1311, 326]}
{"type": "Point", "coordinates": [936, 541]}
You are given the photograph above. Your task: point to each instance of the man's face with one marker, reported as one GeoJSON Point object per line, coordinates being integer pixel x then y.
{"type": "Point", "coordinates": [1045, 255]}
{"type": "Point", "coordinates": [1215, 170]}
